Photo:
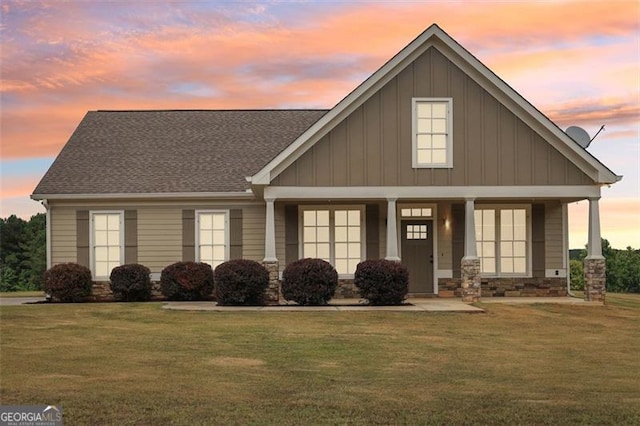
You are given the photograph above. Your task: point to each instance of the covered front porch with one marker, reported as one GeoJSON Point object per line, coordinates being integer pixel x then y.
{"type": "Point", "coordinates": [494, 244]}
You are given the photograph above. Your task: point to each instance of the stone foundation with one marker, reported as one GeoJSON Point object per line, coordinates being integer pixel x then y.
{"type": "Point", "coordinates": [595, 280]}
{"type": "Point", "coordinates": [470, 281]}
{"type": "Point", "coordinates": [507, 287]}
{"type": "Point", "coordinates": [273, 294]}
{"type": "Point", "coordinates": [101, 292]}
{"type": "Point", "coordinates": [346, 290]}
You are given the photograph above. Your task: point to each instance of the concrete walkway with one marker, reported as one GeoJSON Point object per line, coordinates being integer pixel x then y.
{"type": "Point", "coordinates": [530, 300]}
{"type": "Point", "coordinates": [13, 301]}
{"type": "Point", "coordinates": [413, 305]}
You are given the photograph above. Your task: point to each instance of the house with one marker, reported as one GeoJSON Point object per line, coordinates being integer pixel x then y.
{"type": "Point", "coordinates": [433, 161]}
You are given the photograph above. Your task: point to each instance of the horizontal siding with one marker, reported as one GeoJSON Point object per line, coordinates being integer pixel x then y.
{"type": "Point", "coordinates": [159, 237]}
{"type": "Point", "coordinates": [253, 229]}
{"type": "Point", "coordinates": [63, 235]}
{"type": "Point", "coordinates": [553, 236]}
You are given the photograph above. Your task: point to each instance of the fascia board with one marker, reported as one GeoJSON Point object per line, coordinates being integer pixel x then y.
{"type": "Point", "coordinates": [158, 195]}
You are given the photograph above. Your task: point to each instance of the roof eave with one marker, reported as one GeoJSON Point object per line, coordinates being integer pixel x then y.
{"type": "Point", "coordinates": [248, 195]}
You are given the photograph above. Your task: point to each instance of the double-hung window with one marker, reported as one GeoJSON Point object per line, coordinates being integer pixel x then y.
{"type": "Point", "coordinates": [502, 240]}
{"type": "Point", "coordinates": [107, 242]}
{"type": "Point", "coordinates": [212, 233]}
{"type": "Point", "coordinates": [432, 132]}
{"type": "Point", "coordinates": [334, 234]}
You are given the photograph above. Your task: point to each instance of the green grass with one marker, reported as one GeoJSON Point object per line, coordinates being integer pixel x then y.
{"type": "Point", "coordinates": [137, 363]}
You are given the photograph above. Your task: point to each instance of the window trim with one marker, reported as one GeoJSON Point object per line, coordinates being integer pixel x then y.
{"type": "Point", "coordinates": [227, 240]}
{"type": "Point", "coordinates": [332, 208]}
{"type": "Point", "coordinates": [529, 244]}
{"type": "Point", "coordinates": [414, 133]}
{"type": "Point", "coordinates": [92, 256]}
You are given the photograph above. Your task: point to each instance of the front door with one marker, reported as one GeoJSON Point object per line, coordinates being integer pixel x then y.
{"type": "Point", "coordinates": [417, 254]}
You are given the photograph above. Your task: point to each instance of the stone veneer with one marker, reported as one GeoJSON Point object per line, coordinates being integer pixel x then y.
{"type": "Point", "coordinates": [507, 287]}
{"type": "Point", "coordinates": [595, 280]}
{"type": "Point", "coordinates": [101, 292]}
{"type": "Point", "coordinates": [273, 291]}
{"type": "Point", "coordinates": [470, 281]}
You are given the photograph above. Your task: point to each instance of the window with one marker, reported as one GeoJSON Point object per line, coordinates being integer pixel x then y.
{"type": "Point", "coordinates": [416, 212]}
{"type": "Point", "coordinates": [501, 240]}
{"type": "Point", "coordinates": [107, 242]}
{"type": "Point", "coordinates": [334, 235]}
{"type": "Point", "coordinates": [432, 132]}
{"type": "Point", "coordinates": [212, 233]}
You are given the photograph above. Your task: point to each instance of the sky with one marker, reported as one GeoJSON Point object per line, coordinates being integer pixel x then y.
{"type": "Point", "coordinates": [576, 61]}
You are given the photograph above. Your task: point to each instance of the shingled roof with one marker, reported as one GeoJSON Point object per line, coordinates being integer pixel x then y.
{"type": "Point", "coordinates": [145, 152]}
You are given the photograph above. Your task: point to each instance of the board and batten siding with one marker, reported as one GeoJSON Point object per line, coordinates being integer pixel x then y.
{"type": "Point", "coordinates": [372, 146]}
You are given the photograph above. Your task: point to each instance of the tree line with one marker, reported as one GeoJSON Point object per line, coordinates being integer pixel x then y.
{"type": "Point", "coordinates": [23, 252]}
{"type": "Point", "coordinates": [623, 268]}
{"type": "Point", "coordinates": [23, 259]}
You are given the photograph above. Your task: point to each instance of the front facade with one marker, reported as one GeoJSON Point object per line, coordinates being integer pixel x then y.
{"type": "Point", "coordinates": [433, 162]}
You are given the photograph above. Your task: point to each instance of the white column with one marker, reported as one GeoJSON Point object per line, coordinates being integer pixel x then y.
{"type": "Point", "coordinates": [594, 248]}
{"type": "Point", "coordinates": [392, 231]}
{"type": "Point", "coordinates": [270, 233]}
{"type": "Point", "coordinates": [469, 230]}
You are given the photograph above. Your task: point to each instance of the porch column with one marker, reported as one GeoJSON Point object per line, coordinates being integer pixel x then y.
{"type": "Point", "coordinates": [594, 263]}
{"type": "Point", "coordinates": [470, 264]}
{"type": "Point", "coordinates": [270, 260]}
{"type": "Point", "coordinates": [392, 231]}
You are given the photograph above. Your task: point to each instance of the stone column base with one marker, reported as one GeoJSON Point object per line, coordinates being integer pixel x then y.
{"type": "Point", "coordinates": [470, 274]}
{"type": "Point", "coordinates": [595, 280]}
{"type": "Point", "coordinates": [273, 291]}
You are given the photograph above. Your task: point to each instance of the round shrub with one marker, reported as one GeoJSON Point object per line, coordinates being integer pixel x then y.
{"type": "Point", "coordinates": [187, 281]}
{"type": "Point", "coordinates": [131, 283]}
{"type": "Point", "coordinates": [382, 282]}
{"type": "Point", "coordinates": [240, 282]}
{"type": "Point", "coordinates": [68, 282]}
{"type": "Point", "coordinates": [309, 282]}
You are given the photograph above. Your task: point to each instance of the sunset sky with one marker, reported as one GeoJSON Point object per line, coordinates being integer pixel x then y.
{"type": "Point", "coordinates": [576, 61]}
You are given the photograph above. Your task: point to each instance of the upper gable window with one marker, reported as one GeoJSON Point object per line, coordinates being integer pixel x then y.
{"type": "Point", "coordinates": [432, 132]}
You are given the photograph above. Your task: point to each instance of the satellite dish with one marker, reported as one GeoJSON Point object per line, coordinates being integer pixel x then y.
{"type": "Point", "coordinates": [579, 135]}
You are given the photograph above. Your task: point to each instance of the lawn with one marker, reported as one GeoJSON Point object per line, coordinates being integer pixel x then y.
{"type": "Point", "coordinates": [137, 363]}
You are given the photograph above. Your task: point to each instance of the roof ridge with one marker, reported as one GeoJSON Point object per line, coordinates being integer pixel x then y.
{"type": "Point", "coordinates": [214, 110]}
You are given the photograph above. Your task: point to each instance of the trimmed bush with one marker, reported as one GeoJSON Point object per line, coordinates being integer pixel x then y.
{"type": "Point", "coordinates": [309, 282]}
{"type": "Point", "coordinates": [187, 281]}
{"type": "Point", "coordinates": [382, 282]}
{"type": "Point", "coordinates": [131, 283]}
{"type": "Point", "coordinates": [68, 282]}
{"type": "Point", "coordinates": [240, 282]}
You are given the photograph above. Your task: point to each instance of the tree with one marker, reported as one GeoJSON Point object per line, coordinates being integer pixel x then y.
{"type": "Point", "coordinates": [576, 274]}
{"type": "Point", "coordinates": [23, 255]}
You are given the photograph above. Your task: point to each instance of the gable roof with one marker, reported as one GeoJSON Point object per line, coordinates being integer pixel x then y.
{"type": "Point", "coordinates": [434, 36]}
{"type": "Point", "coordinates": [153, 152]}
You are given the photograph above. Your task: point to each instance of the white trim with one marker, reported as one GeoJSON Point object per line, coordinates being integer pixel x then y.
{"type": "Point", "coordinates": [594, 246]}
{"type": "Point", "coordinates": [414, 133]}
{"type": "Point", "coordinates": [529, 244]}
{"type": "Point", "coordinates": [566, 263]}
{"type": "Point", "coordinates": [577, 192]}
{"type": "Point", "coordinates": [551, 273]}
{"type": "Point", "coordinates": [444, 273]}
{"type": "Point", "coordinates": [270, 249]}
{"type": "Point", "coordinates": [92, 259]}
{"type": "Point", "coordinates": [47, 207]}
{"type": "Point", "coordinates": [434, 35]}
{"type": "Point", "coordinates": [227, 244]}
{"type": "Point", "coordinates": [147, 195]}
{"type": "Point", "coordinates": [332, 208]}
